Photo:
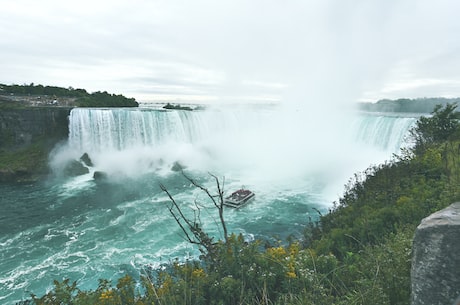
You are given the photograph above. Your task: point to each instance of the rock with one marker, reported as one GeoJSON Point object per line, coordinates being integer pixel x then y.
{"type": "Point", "coordinates": [177, 167]}
{"type": "Point", "coordinates": [75, 168]}
{"type": "Point", "coordinates": [100, 176]}
{"type": "Point", "coordinates": [86, 159]}
{"type": "Point", "coordinates": [177, 107]}
{"type": "Point", "coordinates": [435, 274]}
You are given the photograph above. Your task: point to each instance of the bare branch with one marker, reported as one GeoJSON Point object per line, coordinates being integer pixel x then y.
{"type": "Point", "coordinates": [220, 195]}
{"type": "Point", "coordinates": [170, 208]}
{"type": "Point", "coordinates": [201, 188]}
{"type": "Point", "coordinates": [220, 207]}
{"type": "Point", "coordinates": [192, 229]}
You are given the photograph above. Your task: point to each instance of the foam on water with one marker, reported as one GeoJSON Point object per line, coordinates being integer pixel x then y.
{"type": "Point", "coordinates": [84, 230]}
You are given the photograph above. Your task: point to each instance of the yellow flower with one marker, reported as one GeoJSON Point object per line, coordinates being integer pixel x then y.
{"type": "Point", "coordinates": [294, 249]}
{"type": "Point", "coordinates": [291, 274]}
{"type": "Point", "coordinates": [277, 252]}
{"type": "Point", "coordinates": [198, 273]}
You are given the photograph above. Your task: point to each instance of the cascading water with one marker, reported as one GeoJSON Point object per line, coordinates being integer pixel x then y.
{"type": "Point", "coordinates": [119, 129]}
{"type": "Point", "coordinates": [80, 229]}
{"type": "Point", "coordinates": [384, 131]}
{"type": "Point", "coordinates": [127, 135]}
{"type": "Point", "coordinates": [241, 138]}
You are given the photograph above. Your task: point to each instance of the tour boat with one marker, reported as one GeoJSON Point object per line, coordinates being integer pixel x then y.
{"type": "Point", "coordinates": [239, 198]}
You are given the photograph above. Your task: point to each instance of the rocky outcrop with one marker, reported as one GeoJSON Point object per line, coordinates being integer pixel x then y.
{"type": "Point", "coordinates": [19, 128]}
{"type": "Point", "coordinates": [86, 160]}
{"type": "Point", "coordinates": [27, 135]}
{"type": "Point", "coordinates": [100, 176]}
{"type": "Point", "coordinates": [77, 167]}
{"type": "Point", "coordinates": [74, 168]}
{"type": "Point", "coordinates": [177, 167]}
{"type": "Point", "coordinates": [435, 270]}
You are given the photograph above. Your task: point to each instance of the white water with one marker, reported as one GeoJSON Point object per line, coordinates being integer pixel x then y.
{"type": "Point", "coordinates": [84, 230]}
{"type": "Point", "coordinates": [254, 145]}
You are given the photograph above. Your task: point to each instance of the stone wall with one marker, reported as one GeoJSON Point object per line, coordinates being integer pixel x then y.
{"type": "Point", "coordinates": [435, 271]}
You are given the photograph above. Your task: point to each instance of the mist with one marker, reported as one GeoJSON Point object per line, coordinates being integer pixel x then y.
{"type": "Point", "coordinates": [259, 146]}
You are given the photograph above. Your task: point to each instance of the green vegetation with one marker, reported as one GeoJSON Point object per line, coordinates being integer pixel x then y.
{"type": "Point", "coordinates": [82, 97]}
{"type": "Point", "coordinates": [358, 253]}
{"type": "Point", "coordinates": [418, 105]}
{"type": "Point", "coordinates": [42, 90]}
{"type": "Point", "coordinates": [6, 104]}
{"type": "Point", "coordinates": [25, 164]}
{"type": "Point", "coordinates": [104, 99]}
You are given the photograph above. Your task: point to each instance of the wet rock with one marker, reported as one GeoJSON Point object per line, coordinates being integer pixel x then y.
{"type": "Point", "coordinates": [177, 167]}
{"type": "Point", "coordinates": [86, 160]}
{"type": "Point", "coordinates": [75, 168]}
{"type": "Point", "coordinates": [100, 176]}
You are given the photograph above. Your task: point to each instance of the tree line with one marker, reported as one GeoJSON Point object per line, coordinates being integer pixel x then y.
{"type": "Point", "coordinates": [83, 98]}
{"type": "Point", "coordinates": [418, 105]}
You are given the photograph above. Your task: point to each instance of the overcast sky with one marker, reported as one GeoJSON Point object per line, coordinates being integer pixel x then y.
{"type": "Point", "coordinates": [235, 50]}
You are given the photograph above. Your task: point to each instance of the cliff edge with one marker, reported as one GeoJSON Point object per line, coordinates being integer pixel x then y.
{"type": "Point", "coordinates": [27, 135]}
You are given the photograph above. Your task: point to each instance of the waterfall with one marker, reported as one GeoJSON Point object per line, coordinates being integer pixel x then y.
{"type": "Point", "coordinates": [118, 129]}
{"type": "Point", "coordinates": [384, 131]}
{"type": "Point", "coordinates": [262, 139]}
{"type": "Point", "coordinates": [93, 129]}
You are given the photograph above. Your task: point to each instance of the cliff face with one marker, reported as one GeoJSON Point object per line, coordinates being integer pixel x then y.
{"type": "Point", "coordinates": [19, 128]}
{"type": "Point", "coordinates": [27, 135]}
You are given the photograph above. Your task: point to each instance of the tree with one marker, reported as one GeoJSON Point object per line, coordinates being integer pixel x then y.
{"type": "Point", "coordinates": [192, 228]}
{"type": "Point", "coordinates": [440, 127]}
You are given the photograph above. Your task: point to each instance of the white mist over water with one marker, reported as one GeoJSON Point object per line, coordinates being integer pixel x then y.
{"type": "Point", "coordinates": [277, 146]}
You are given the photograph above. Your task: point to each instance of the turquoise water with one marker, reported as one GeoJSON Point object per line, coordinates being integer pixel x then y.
{"type": "Point", "coordinates": [84, 231]}
{"type": "Point", "coordinates": [77, 228]}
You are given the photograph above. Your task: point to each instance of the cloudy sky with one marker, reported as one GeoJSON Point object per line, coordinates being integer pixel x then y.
{"type": "Point", "coordinates": [235, 50]}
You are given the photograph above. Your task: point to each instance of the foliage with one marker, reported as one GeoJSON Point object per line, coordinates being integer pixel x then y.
{"type": "Point", "coordinates": [83, 98]}
{"type": "Point", "coordinates": [26, 162]}
{"type": "Point", "coordinates": [359, 253]}
{"type": "Point", "coordinates": [251, 275]}
{"type": "Point", "coordinates": [7, 104]}
{"type": "Point", "coordinates": [400, 192]}
{"type": "Point", "coordinates": [104, 99]}
{"type": "Point", "coordinates": [32, 89]}
{"type": "Point", "coordinates": [442, 126]}
{"type": "Point", "coordinates": [418, 105]}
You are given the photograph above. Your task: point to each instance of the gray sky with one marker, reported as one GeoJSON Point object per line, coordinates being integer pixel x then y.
{"type": "Point", "coordinates": [235, 50]}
